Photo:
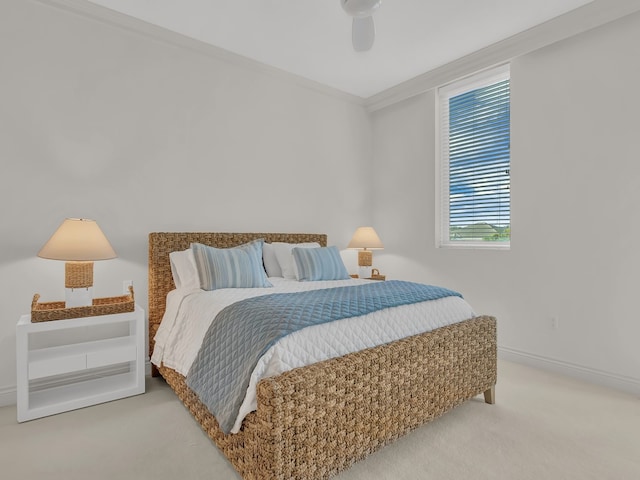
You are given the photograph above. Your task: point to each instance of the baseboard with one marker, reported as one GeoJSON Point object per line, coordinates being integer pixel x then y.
{"type": "Point", "coordinates": [591, 375]}
{"type": "Point", "coordinates": [8, 393]}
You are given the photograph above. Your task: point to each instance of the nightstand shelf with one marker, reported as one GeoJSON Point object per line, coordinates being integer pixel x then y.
{"type": "Point", "coordinates": [63, 377]}
{"type": "Point", "coordinates": [82, 394]}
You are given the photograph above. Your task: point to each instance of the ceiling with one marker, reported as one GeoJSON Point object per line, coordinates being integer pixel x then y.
{"type": "Point", "coordinates": [312, 38]}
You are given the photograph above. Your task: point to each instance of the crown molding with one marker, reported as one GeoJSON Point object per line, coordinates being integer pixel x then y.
{"type": "Point", "coordinates": [585, 18]}
{"type": "Point", "coordinates": [98, 13]}
{"type": "Point", "coordinates": [591, 15]}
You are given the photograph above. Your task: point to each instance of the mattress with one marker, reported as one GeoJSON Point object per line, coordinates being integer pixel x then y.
{"type": "Point", "coordinates": [189, 314]}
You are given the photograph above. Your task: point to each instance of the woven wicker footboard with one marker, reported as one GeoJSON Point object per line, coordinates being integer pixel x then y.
{"type": "Point", "coordinates": [315, 421]}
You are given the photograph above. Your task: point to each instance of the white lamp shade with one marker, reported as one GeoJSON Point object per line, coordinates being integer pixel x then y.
{"type": "Point", "coordinates": [78, 240]}
{"type": "Point", "coordinates": [366, 237]}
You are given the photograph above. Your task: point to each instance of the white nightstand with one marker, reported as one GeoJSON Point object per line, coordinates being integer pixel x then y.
{"type": "Point", "coordinates": [55, 376]}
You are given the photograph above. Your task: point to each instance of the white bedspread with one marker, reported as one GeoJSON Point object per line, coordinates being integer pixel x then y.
{"type": "Point", "coordinates": [189, 314]}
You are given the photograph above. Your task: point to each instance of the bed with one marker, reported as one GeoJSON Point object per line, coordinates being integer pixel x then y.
{"type": "Point", "coordinates": [315, 421]}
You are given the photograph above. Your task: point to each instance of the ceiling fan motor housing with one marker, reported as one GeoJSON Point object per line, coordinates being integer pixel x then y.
{"type": "Point", "coordinates": [360, 8]}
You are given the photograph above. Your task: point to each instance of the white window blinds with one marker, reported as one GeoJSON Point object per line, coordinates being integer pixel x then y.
{"type": "Point", "coordinates": [475, 198]}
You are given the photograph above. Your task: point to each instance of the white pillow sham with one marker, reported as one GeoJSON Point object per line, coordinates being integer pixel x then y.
{"type": "Point", "coordinates": [285, 257]}
{"type": "Point", "coordinates": [270, 260]}
{"type": "Point", "coordinates": [184, 270]}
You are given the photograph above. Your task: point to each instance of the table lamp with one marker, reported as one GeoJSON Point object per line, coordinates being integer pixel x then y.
{"type": "Point", "coordinates": [79, 242]}
{"type": "Point", "coordinates": [366, 239]}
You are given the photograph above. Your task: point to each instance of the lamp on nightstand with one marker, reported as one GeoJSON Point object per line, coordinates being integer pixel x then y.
{"type": "Point", "coordinates": [79, 242]}
{"type": "Point", "coordinates": [366, 239]}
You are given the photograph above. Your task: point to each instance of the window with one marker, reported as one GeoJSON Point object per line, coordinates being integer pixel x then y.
{"type": "Point", "coordinates": [474, 164]}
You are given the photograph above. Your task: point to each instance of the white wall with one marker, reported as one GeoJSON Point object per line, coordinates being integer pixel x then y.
{"type": "Point", "coordinates": [103, 123]}
{"type": "Point", "coordinates": [100, 122]}
{"type": "Point", "coordinates": [575, 202]}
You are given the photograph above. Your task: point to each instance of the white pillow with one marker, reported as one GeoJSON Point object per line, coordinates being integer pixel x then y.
{"type": "Point", "coordinates": [270, 260]}
{"type": "Point", "coordinates": [184, 270]}
{"type": "Point", "coordinates": [285, 257]}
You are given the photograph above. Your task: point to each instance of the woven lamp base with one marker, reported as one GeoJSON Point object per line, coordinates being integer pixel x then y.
{"type": "Point", "coordinates": [78, 274]}
{"type": "Point", "coordinates": [365, 258]}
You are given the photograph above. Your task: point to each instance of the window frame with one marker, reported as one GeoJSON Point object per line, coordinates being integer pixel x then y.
{"type": "Point", "coordinates": [472, 82]}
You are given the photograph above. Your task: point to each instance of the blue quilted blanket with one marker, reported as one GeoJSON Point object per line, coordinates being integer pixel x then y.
{"type": "Point", "coordinates": [244, 331]}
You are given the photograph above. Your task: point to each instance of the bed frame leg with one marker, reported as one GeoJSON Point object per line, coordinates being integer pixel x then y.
{"type": "Point", "coordinates": [490, 395]}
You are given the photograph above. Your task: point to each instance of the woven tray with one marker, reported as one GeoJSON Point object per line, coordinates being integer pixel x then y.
{"type": "Point", "coordinates": [46, 311]}
{"type": "Point", "coordinates": [375, 275]}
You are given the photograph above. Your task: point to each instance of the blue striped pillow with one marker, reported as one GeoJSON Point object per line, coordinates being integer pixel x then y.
{"type": "Point", "coordinates": [322, 263]}
{"type": "Point", "coordinates": [237, 267]}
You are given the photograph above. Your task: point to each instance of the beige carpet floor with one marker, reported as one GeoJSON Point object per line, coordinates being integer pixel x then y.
{"type": "Point", "coordinates": [543, 426]}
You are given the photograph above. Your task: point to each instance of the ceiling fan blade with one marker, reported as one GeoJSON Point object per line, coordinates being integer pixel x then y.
{"type": "Point", "coordinates": [363, 33]}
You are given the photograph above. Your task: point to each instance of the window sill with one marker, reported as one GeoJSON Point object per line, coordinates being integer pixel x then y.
{"type": "Point", "coordinates": [476, 246]}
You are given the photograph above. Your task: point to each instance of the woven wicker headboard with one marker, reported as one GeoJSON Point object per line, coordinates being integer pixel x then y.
{"type": "Point", "coordinates": [161, 244]}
